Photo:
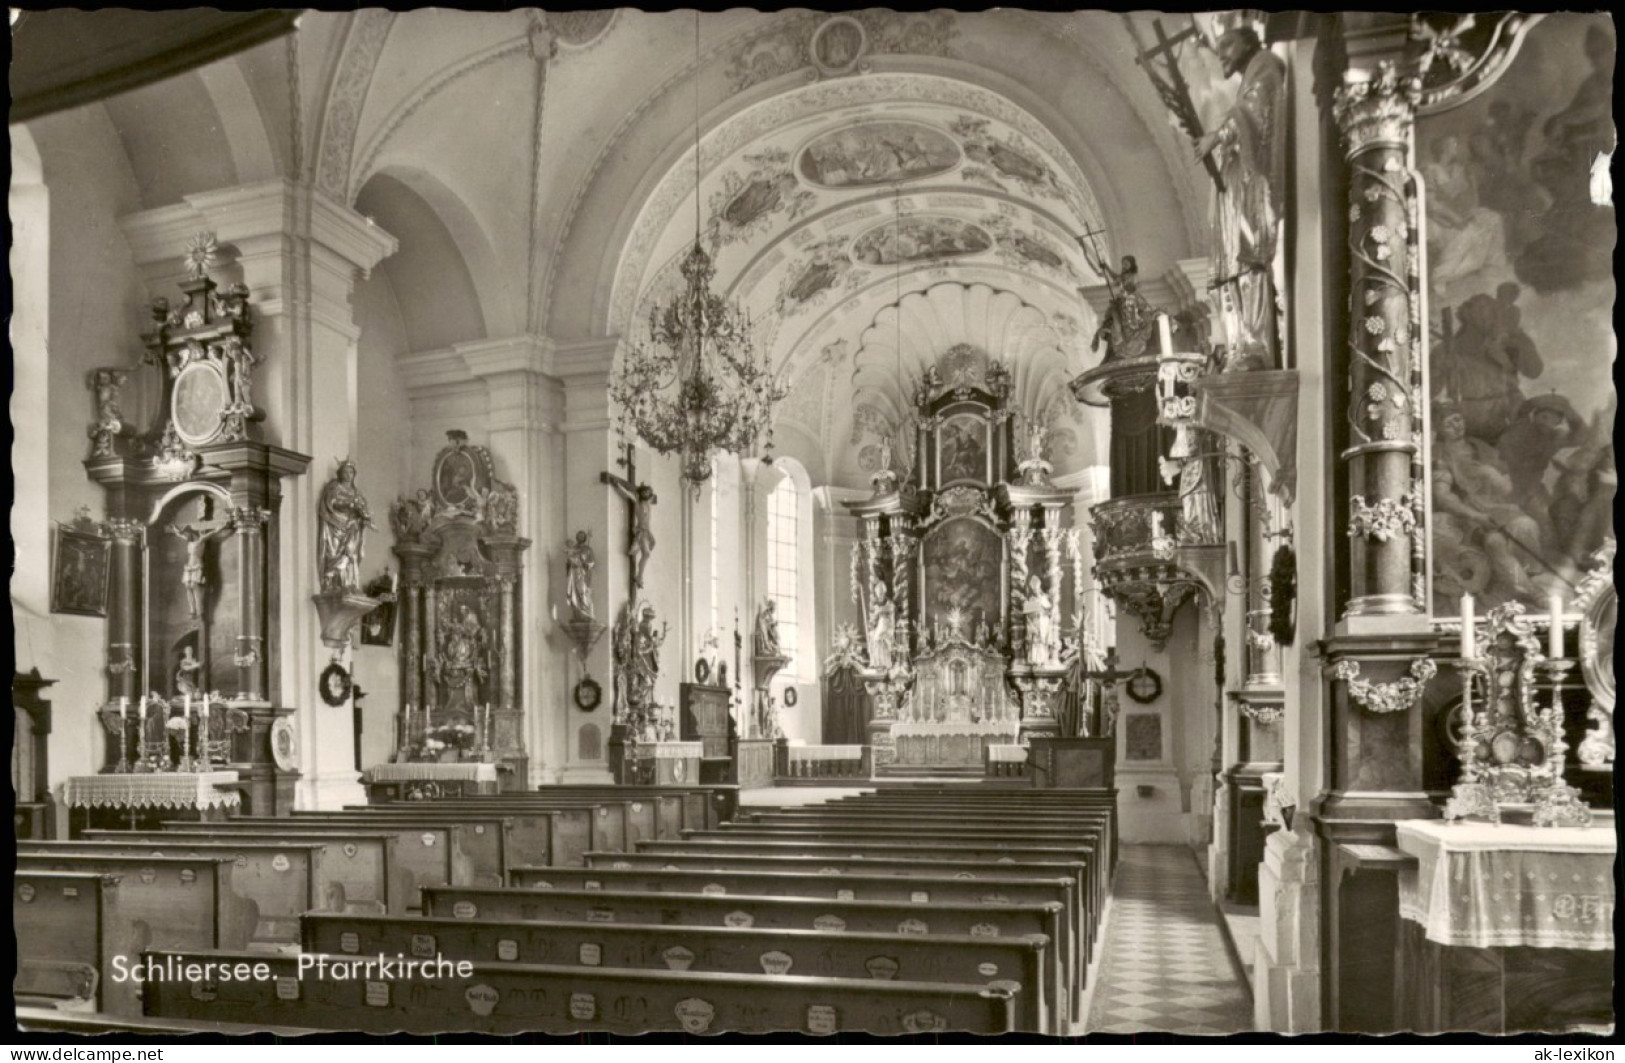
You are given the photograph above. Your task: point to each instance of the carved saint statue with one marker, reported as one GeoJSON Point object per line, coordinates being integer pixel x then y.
{"type": "Point", "coordinates": [882, 630]}
{"type": "Point", "coordinates": [1130, 319]}
{"type": "Point", "coordinates": [1198, 503]}
{"type": "Point", "coordinates": [196, 537]}
{"type": "Point", "coordinates": [344, 518]}
{"type": "Point", "coordinates": [1038, 610]}
{"type": "Point", "coordinates": [461, 662]}
{"type": "Point", "coordinates": [1249, 145]}
{"type": "Point", "coordinates": [579, 562]}
{"type": "Point", "coordinates": [186, 673]}
{"type": "Point", "coordinates": [766, 643]}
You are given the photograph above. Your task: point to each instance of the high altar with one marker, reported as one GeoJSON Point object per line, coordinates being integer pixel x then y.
{"type": "Point", "coordinates": [960, 576]}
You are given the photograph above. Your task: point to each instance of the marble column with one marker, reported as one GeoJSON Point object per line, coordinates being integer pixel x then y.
{"type": "Point", "coordinates": [124, 629]}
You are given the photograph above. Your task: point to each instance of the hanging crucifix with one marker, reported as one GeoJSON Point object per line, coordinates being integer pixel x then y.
{"type": "Point", "coordinates": [640, 501]}
{"type": "Point", "coordinates": [1108, 677]}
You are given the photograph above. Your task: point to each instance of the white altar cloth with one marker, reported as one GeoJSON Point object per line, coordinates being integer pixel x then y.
{"type": "Point", "coordinates": [166, 789]}
{"type": "Point", "coordinates": [1007, 754]}
{"type": "Point", "coordinates": [672, 750]}
{"type": "Point", "coordinates": [1485, 885]}
{"type": "Point", "coordinates": [991, 728]}
{"type": "Point", "coordinates": [429, 771]}
{"type": "Point", "coordinates": [823, 753]}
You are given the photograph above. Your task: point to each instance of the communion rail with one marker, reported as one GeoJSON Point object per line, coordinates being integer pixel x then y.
{"type": "Point", "coordinates": [801, 763]}
{"type": "Point", "coordinates": [1005, 761]}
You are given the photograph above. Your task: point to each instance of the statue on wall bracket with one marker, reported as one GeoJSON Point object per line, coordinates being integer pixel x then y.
{"type": "Point", "coordinates": [342, 520]}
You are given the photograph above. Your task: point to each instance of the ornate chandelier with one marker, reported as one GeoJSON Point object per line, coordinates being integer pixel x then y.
{"type": "Point", "coordinates": [697, 388]}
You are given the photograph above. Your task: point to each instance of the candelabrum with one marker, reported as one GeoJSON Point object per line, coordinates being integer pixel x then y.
{"type": "Point", "coordinates": [1472, 795]}
{"type": "Point", "coordinates": [1489, 776]}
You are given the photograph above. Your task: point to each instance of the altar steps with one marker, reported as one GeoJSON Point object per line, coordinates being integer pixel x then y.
{"type": "Point", "coordinates": [901, 771]}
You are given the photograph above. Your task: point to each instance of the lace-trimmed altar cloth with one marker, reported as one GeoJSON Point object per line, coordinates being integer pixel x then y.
{"type": "Point", "coordinates": [171, 789]}
{"type": "Point", "coordinates": [429, 771]}
{"type": "Point", "coordinates": [1007, 754]}
{"type": "Point", "coordinates": [1484, 885]}
{"type": "Point", "coordinates": [825, 753]}
{"type": "Point", "coordinates": [672, 750]}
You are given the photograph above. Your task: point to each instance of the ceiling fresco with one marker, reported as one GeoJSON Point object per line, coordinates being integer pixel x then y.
{"type": "Point", "coordinates": [827, 208]}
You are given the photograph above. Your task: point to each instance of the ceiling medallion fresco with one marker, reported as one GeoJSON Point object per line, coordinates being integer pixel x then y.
{"type": "Point", "coordinates": [831, 46]}
{"type": "Point", "coordinates": [999, 162]}
{"type": "Point", "coordinates": [823, 267]}
{"type": "Point", "coordinates": [749, 202]}
{"type": "Point", "coordinates": [1005, 150]}
{"type": "Point", "coordinates": [881, 153]}
{"type": "Point", "coordinates": [920, 239]}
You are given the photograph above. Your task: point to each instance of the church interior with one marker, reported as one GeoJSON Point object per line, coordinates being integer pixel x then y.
{"type": "Point", "coordinates": [645, 505]}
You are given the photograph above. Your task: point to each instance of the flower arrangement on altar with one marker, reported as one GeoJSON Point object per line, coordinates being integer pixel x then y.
{"type": "Point", "coordinates": [448, 737]}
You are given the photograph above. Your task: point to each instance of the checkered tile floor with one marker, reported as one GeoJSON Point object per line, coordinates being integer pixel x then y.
{"type": "Point", "coordinates": [1165, 967]}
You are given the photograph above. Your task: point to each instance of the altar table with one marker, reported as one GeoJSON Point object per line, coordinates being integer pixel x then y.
{"type": "Point", "coordinates": [922, 744]}
{"type": "Point", "coordinates": [412, 781]}
{"type": "Point", "coordinates": [1505, 928]}
{"type": "Point", "coordinates": [147, 796]}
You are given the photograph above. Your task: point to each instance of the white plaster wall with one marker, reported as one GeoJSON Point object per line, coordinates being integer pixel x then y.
{"type": "Point", "coordinates": [95, 314]}
{"type": "Point", "coordinates": [382, 455]}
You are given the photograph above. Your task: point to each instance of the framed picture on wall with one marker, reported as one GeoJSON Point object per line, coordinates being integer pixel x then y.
{"type": "Point", "coordinates": [80, 572]}
{"type": "Point", "coordinates": [378, 626]}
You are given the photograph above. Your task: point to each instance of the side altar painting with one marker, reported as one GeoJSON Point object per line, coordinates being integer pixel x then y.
{"type": "Point", "coordinates": [1520, 242]}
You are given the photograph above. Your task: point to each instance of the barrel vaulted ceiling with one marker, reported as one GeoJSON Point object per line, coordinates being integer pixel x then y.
{"type": "Point", "coordinates": [900, 191]}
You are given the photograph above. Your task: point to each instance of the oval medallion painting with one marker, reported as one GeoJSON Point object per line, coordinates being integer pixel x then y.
{"type": "Point", "coordinates": [927, 239]}
{"type": "Point", "coordinates": [200, 394]}
{"type": "Point", "coordinates": [455, 476]}
{"type": "Point", "coordinates": [880, 153]}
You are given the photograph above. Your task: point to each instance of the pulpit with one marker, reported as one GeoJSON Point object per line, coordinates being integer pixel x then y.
{"type": "Point", "coordinates": [459, 614]}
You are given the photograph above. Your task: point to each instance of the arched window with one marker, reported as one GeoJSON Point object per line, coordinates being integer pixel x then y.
{"type": "Point", "coordinates": [783, 565]}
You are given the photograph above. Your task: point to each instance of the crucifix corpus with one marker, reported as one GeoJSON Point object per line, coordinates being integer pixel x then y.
{"type": "Point", "coordinates": [1108, 677]}
{"type": "Point", "coordinates": [640, 502]}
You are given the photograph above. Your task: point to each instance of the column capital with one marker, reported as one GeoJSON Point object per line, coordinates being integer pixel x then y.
{"type": "Point", "coordinates": [427, 372]}
{"type": "Point", "coordinates": [1376, 106]}
{"type": "Point", "coordinates": [277, 208]}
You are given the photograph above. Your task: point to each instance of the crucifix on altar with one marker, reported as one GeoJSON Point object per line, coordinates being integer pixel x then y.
{"type": "Point", "coordinates": [640, 502]}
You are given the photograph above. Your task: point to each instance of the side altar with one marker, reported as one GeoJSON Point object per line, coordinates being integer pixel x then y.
{"type": "Point", "coordinates": [187, 564]}
{"type": "Point", "coordinates": [461, 566]}
{"type": "Point", "coordinates": [961, 577]}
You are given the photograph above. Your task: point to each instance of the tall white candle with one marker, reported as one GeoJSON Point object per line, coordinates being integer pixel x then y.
{"type": "Point", "coordinates": [1165, 334]}
{"type": "Point", "coordinates": [1469, 639]}
{"type": "Point", "coordinates": [143, 708]}
{"type": "Point", "coordinates": [1554, 636]}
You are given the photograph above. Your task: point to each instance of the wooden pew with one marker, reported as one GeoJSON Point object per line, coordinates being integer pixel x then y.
{"type": "Point", "coordinates": [486, 840]}
{"type": "Point", "coordinates": [79, 1024]}
{"type": "Point", "coordinates": [195, 898]}
{"type": "Point", "coordinates": [801, 913]}
{"type": "Point", "coordinates": [512, 998]}
{"type": "Point", "coordinates": [693, 808]}
{"type": "Point", "coordinates": [531, 835]}
{"type": "Point", "coordinates": [93, 915]}
{"type": "Point", "coordinates": [1043, 802]}
{"type": "Point", "coordinates": [424, 853]}
{"type": "Point", "coordinates": [721, 800]}
{"type": "Point", "coordinates": [736, 950]}
{"type": "Point", "coordinates": [1092, 827]}
{"type": "Point", "coordinates": [669, 810]}
{"type": "Point", "coordinates": [581, 825]}
{"type": "Point", "coordinates": [281, 879]}
{"type": "Point", "coordinates": [69, 926]}
{"type": "Point", "coordinates": [918, 888]}
{"type": "Point", "coordinates": [358, 868]}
